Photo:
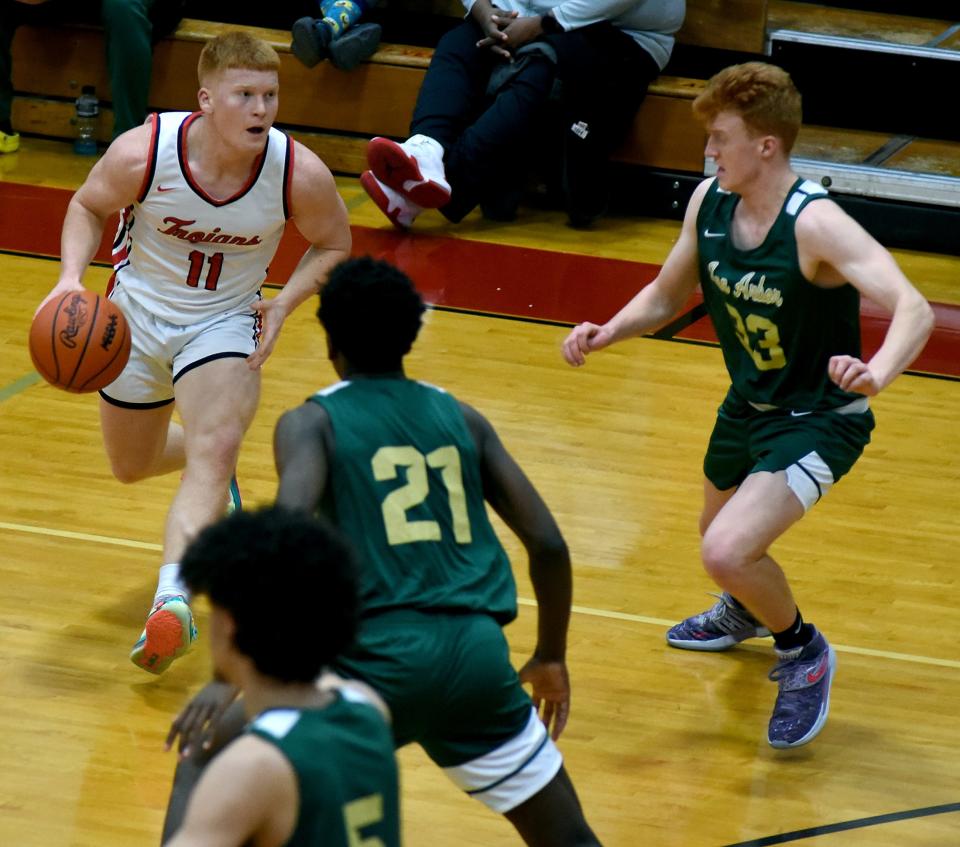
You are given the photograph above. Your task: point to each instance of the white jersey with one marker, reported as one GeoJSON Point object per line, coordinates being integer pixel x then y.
{"type": "Point", "coordinates": [186, 256]}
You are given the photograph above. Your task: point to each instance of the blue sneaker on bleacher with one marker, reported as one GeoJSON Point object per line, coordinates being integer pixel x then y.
{"type": "Point", "coordinates": [803, 702]}
{"type": "Point", "coordinates": [718, 628]}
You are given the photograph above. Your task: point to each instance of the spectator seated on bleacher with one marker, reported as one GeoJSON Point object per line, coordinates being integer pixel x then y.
{"type": "Point", "coordinates": [131, 28]}
{"type": "Point", "coordinates": [336, 35]}
{"type": "Point", "coordinates": [480, 121]}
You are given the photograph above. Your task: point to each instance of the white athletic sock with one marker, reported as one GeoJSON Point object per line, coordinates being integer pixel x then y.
{"type": "Point", "coordinates": [169, 583]}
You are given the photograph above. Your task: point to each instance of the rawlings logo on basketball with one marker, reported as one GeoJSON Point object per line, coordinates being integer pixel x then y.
{"type": "Point", "coordinates": [109, 333]}
{"type": "Point", "coordinates": [198, 236]}
{"type": "Point", "coordinates": [76, 317]}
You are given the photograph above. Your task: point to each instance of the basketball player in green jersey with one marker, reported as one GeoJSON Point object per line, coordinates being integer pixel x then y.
{"type": "Point", "coordinates": [403, 469]}
{"type": "Point", "coordinates": [315, 764]}
{"type": "Point", "coordinates": [781, 268]}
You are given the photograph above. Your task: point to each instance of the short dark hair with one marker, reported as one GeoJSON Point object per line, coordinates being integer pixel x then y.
{"type": "Point", "coordinates": [289, 581]}
{"type": "Point", "coordinates": [372, 313]}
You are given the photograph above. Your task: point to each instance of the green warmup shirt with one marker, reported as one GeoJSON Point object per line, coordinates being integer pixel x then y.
{"type": "Point", "coordinates": [346, 771]}
{"type": "Point", "coordinates": [405, 487]}
{"type": "Point", "coordinates": [777, 330]}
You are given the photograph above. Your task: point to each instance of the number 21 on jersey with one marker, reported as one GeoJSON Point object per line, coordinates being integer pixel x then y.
{"type": "Point", "coordinates": [400, 528]}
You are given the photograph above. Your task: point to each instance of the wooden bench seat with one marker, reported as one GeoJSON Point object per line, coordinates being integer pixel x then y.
{"type": "Point", "coordinates": [817, 23]}
{"type": "Point", "coordinates": [331, 111]}
{"type": "Point", "coordinates": [334, 112]}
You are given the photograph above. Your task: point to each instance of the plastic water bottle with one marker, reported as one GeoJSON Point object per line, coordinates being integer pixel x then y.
{"type": "Point", "coordinates": [88, 108]}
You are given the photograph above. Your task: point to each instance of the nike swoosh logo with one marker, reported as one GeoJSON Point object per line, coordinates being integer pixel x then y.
{"type": "Point", "coordinates": [708, 234]}
{"type": "Point", "coordinates": [794, 414]}
{"type": "Point", "coordinates": [166, 188]}
{"type": "Point", "coordinates": [813, 677]}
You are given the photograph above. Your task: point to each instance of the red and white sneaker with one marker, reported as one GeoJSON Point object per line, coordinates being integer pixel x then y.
{"type": "Point", "coordinates": [413, 169]}
{"type": "Point", "coordinates": [401, 211]}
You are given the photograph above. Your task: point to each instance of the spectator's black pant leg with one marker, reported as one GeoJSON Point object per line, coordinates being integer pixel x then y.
{"type": "Point", "coordinates": [490, 148]}
{"type": "Point", "coordinates": [604, 77]}
{"type": "Point", "coordinates": [454, 88]}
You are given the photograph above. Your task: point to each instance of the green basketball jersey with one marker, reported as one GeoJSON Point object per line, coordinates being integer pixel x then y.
{"type": "Point", "coordinates": [346, 771]}
{"type": "Point", "coordinates": [777, 330]}
{"type": "Point", "coordinates": [405, 487]}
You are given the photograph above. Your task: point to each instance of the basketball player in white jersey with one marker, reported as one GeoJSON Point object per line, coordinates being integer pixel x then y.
{"type": "Point", "coordinates": [204, 199]}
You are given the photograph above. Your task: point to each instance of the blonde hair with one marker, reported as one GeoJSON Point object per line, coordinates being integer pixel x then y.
{"type": "Point", "coordinates": [763, 95]}
{"type": "Point", "coordinates": [236, 49]}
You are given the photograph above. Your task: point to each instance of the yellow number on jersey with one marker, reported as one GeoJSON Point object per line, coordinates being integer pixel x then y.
{"type": "Point", "coordinates": [402, 530]}
{"type": "Point", "coordinates": [362, 812]}
{"type": "Point", "coordinates": [768, 340]}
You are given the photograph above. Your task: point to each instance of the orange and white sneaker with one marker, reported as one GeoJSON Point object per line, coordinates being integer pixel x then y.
{"type": "Point", "coordinates": [168, 634]}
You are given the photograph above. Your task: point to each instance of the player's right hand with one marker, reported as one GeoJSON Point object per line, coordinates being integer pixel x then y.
{"type": "Point", "coordinates": [583, 339]}
{"type": "Point", "coordinates": [60, 288]}
{"type": "Point", "coordinates": [550, 693]}
{"type": "Point", "coordinates": [197, 722]}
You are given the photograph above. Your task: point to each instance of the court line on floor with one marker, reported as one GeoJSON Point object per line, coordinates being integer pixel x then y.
{"type": "Point", "coordinates": [79, 536]}
{"type": "Point", "coordinates": [858, 823]}
{"type": "Point", "coordinates": [18, 385]}
{"type": "Point", "coordinates": [840, 648]}
{"type": "Point", "coordinates": [523, 601]}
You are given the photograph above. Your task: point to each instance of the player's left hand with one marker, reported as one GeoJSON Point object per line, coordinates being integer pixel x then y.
{"type": "Point", "coordinates": [196, 724]}
{"type": "Point", "coordinates": [272, 314]}
{"type": "Point", "coordinates": [852, 374]}
{"type": "Point", "coordinates": [551, 690]}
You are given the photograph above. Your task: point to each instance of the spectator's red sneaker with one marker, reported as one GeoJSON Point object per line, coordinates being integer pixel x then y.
{"type": "Point", "coordinates": [413, 169]}
{"type": "Point", "coordinates": [396, 207]}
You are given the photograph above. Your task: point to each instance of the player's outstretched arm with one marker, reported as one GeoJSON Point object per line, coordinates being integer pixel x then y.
{"type": "Point", "coordinates": [113, 184]}
{"type": "Point", "coordinates": [832, 245]}
{"type": "Point", "coordinates": [654, 304]}
{"type": "Point", "coordinates": [302, 442]}
{"type": "Point", "coordinates": [513, 497]}
{"type": "Point", "coordinates": [250, 789]}
{"type": "Point", "coordinates": [319, 213]}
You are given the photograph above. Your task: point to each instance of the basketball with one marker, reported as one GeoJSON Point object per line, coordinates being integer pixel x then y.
{"type": "Point", "coordinates": [80, 341]}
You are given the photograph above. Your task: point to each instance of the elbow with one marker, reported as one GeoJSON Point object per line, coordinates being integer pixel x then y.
{"type": "Point", "coordinates": [549, 547]}
{"type": "Point", "coordinates": [926, 319]}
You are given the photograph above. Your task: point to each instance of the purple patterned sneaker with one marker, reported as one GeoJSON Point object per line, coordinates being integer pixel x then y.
{"type": "Point", "coordinates": [719, 628]}
{"type": "Point", "coordinates": [804, 677]}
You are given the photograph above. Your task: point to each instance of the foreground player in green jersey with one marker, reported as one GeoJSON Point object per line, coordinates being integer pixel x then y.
{"type": "Point", "coordinates": [315, 764]}
{"type": "Point", "coordinates": [781, 268]}
{"type": "Point", "coordinates": [403, 469]}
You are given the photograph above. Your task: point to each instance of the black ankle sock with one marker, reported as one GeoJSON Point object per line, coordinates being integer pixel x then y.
{"type": "Point", "coordinates": [798, 634]}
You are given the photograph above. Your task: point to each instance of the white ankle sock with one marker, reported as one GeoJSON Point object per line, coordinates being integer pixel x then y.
{"type": "Point", "coordinates": [169, 583]}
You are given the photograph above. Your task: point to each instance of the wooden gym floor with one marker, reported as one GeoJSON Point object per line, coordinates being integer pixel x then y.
{"type": "Point", "coordinates": [666, 747]}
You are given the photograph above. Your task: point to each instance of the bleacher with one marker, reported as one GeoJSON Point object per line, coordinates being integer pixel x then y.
{"type": "Point", "coordinates": [877, 88]}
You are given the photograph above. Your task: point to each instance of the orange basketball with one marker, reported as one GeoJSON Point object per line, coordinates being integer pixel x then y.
{"type": "Point", "coordinates": [80, 341]}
